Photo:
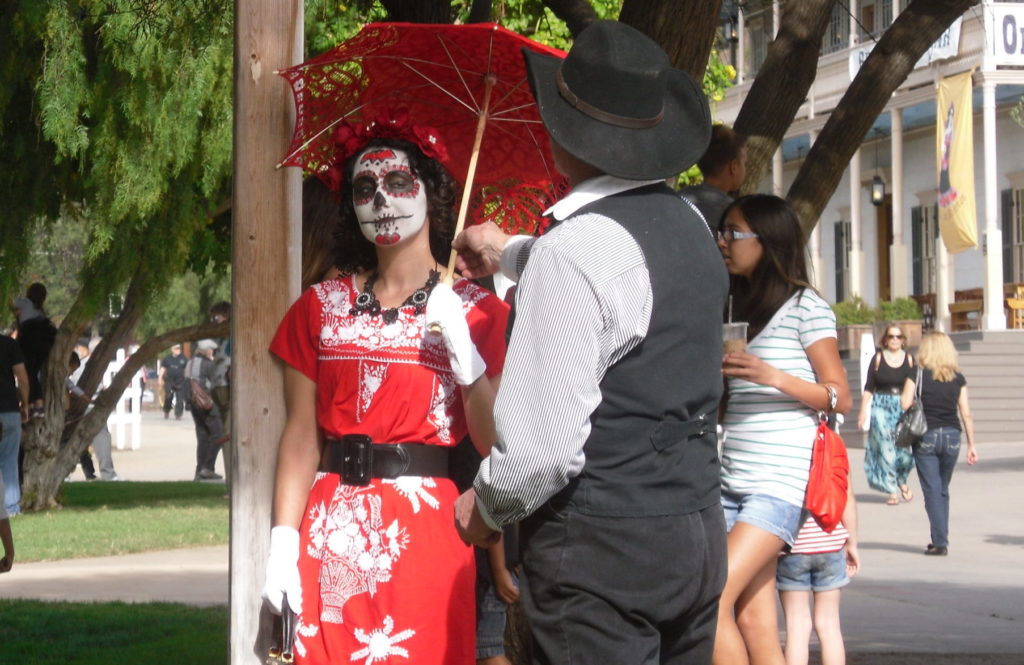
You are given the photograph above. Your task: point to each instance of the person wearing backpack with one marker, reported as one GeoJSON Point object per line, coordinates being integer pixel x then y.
{"type": "Point", "coordinates": [199, 377]}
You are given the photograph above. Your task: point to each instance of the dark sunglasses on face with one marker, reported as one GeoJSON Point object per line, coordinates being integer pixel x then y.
{"type": "Point", "coordinates": [894, 336]}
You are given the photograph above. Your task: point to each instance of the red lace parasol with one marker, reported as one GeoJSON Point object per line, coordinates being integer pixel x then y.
{"type": "Point", "coordinates": [466, 81]}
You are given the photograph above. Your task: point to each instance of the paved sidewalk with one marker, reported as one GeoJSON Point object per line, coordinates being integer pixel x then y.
{"type": "Point", "coordinates": [971, 602]}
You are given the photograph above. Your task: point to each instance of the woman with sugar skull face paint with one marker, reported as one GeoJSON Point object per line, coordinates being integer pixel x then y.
{"type": "Point", "coordinates": [363, 544]}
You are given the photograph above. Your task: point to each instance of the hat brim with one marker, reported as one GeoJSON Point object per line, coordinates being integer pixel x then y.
{"type": "Point", "coordinates": [670, 147]}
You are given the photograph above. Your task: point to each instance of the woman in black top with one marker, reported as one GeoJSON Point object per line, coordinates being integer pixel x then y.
{"type": "Point", "coordinates": [943, 397]}
{"type": "Point", "coordinates": [886, 466]}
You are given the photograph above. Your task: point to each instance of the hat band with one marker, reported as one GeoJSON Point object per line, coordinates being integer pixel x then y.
{"type": "Point", "coordinates": [604, 116]}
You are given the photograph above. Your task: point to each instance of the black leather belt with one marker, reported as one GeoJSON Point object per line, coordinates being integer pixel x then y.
{"type": "Point", "coordinates": [357, 459]}
{"type": "Point", "coordinates": [890, 391]}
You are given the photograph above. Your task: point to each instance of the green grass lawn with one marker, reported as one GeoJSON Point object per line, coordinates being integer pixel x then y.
{"type": "Point", "coordinates": [104, 519]}
{"type": "Point", "coordinates": [44, 633]}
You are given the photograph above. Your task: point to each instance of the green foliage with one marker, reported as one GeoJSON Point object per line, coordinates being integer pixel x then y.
{"type": "Point", "coordinates": [1017, 112]}
{"type": "Point", "coordinates": [107, 519]}
{"type": "Point", "coordinates": [899, 309]}
{"type": "Point", "coordinates": [105, 633]}
{"type": "Point", "coordinates": [852, 312]}
{"type": "Point", "coordinates": [185, 301]}
{"type": "Point", "coordinates": [855, 311]}
{"type": "Point", "coordinates": [130, 108]}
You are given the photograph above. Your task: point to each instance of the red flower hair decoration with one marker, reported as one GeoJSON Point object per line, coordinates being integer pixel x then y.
{"type": "Point", "coordinates": [350, 138]}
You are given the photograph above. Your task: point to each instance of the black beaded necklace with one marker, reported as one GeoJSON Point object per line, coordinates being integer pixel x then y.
{"type": "Point", "coordinates": [367, 303]}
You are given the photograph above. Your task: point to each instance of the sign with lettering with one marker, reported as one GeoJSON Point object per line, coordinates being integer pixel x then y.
{"type": "Point", "coordinates": [946, 46]}
{"type": "Point", "coordinates": [1005, 28]}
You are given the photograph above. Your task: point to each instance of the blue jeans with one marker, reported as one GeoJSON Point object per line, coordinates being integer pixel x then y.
{"type": "Point", "coordinates": [10, 443]}
{"type": "Point", "coordinates": [936, 456]}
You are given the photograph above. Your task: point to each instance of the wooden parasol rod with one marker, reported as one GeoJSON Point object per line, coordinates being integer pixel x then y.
{"type": "Point", "coordinates": [489, 80]}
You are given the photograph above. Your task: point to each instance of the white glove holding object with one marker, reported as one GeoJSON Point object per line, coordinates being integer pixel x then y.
{"type": "Point", "coordinates": [283, 570]}
{"type": "Point", "coordinates": [444, 308]}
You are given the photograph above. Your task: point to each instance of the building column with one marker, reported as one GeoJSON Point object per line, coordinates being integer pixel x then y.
{"type": "Point", "coordinates": [943, 286]}
{"type": "Point", "coordinates": [898, 280]}
{"type": "Point", "coordinates": [856, 251]}
{"type": "Point", "coordinates": [777, 166]}
{"type": "Point", "coordinates": [992, 238]}
{"type": "Point", "coordinates": [818, 276]}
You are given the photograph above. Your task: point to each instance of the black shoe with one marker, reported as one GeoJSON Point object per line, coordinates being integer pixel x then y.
{"type": "Point", "coordinates": [177, 416]}
{"type": "Point", "coordinates": [167, 414]}
{"type": "Point", "coordinates": [936, 551]}
{"type": "Point", "coordinates": [206, 474]}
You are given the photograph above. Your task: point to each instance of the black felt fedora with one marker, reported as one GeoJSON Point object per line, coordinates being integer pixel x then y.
{"type": "Point", "coordinates": [617, 104]}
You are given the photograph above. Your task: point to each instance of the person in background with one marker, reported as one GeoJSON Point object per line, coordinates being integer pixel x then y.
{"type": "Point", "coordinates": [886, 466]}
{"type": "Point", "coordinates": [101, 443]}
{"type": "Point", "coordinates": [14, 411]}
{"type": "Point", "coordinates": [6, 537]}
{"type": "Point", "coordinates": [220, 312]}
{"type": "Point", "coordinates": [724, 166]}
{"type": "Point", "coordinates": [36, 334]}
{"type": "Point", "coordinates": [172, 376]}
{"type": "Point", "coordinates": [209, 427]}
{"type": "Point", "coordinates": [789, 373]}
{"type": "Point", "coordinates": [320, 221]}
{"type": "Point", "coordinates": [818, 566]}
{"type": "Point", "coordinates": [945, 404]}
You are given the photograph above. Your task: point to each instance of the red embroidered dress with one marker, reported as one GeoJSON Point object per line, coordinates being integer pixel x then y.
{"type": "Point", "coordinates": [385, 578]}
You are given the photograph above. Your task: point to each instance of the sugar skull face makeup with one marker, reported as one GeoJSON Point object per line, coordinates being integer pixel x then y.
{"type": "Point", "coordinates": [390, 201]}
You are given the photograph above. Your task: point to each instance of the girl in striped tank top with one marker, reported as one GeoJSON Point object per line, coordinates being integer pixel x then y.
{"type": "Point", "coordinates": [789, 371]}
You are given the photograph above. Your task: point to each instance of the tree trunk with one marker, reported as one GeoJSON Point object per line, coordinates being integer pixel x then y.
{"type": "Point", "coordinates": [782, 83]}
{"type": "Point", "coordinates": [686, 29]}
{"type": "Point", "coordinates": [419, 11]}
{"type": "Point", "coordinates": [47, 460]}
{"type": "Point", "coordinates": [889, 64]}
{"type": "Point", "coordinates": [577, 14]}
{"type": "Point", "coordinates": [479, 12]}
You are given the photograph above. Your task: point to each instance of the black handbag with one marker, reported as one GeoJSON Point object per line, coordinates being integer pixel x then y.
{"type": "Point", "coordinates": [912, 424]}
{"type": "Point", "coordinates": [282, 652]}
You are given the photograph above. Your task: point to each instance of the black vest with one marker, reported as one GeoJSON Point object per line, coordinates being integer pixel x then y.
{"type": "Point", "coordinates": [652, 449]}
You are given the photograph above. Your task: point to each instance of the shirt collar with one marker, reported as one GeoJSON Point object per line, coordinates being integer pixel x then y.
{"type": "Point", "coordinates": [591, 190]}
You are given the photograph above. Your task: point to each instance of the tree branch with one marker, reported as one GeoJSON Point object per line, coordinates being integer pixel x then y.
{"type": "Point", "coordinates": [577, 14]}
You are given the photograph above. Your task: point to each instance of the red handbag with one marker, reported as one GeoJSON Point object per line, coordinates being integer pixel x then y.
{"type": "Point", "coordinates": [829, 478]}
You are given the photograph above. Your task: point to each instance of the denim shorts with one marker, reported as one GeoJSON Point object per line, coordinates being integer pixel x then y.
{"type": "Point", "coordinates": [812, 572]}
{"type": "Point", "coordinates": [765, 512]}
{"type": "Point", "coordinates": [490, 619]}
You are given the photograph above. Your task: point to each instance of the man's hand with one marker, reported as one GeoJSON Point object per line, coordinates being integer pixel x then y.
{"type": "Point", "coordinates": [470, 525]}
{"type": "Point", "coordinates": [479, 247]}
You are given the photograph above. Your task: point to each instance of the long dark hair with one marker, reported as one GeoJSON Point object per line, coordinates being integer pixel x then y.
{"type": "Point", "coordinates": [355, 252]}
{"type": "Point", "coordinates": [782, 270]}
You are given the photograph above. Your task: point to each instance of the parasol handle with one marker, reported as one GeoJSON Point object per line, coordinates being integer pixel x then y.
{"type": "Point", "coordinates": [481, 124]}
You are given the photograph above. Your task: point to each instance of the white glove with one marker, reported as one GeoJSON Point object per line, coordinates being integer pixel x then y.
{"type": "Point", "coordinates": [283, 570]}
{"type": "Point", "coordinates": [444, 308]}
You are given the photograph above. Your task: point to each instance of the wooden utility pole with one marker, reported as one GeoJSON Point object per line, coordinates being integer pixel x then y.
{"type": "Point", "coordinates": [266, 255]}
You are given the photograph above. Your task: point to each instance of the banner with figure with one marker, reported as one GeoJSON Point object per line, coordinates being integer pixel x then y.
{"type": "Point", "coordinates": [954, 134]}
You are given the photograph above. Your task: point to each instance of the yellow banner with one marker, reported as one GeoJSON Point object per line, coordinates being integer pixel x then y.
{"type": "Point", "coordinates": [954, 150]}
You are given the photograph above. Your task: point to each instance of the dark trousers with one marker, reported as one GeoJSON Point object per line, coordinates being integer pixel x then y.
{"type": "Point", "coordinates": [174, 392]}
{"type": "Point", "coordinates": [209, 437]}
{"type": "Point", "coordinates": [935, 456]}
{"type": "Point", "coordinates": [640, 590]}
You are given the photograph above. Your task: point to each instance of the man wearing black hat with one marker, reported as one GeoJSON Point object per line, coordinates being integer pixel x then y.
{"type": "Point", "coordinates": [606, 412]}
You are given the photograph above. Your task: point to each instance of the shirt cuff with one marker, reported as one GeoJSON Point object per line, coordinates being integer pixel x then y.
{"type": "Point", "coordinates": [486, 516]}
{"type": "Point", "coordinates": [511, 265]}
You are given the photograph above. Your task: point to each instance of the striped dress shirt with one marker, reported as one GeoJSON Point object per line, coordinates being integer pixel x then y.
{"type": "Point", "coordinates": [584, 302]}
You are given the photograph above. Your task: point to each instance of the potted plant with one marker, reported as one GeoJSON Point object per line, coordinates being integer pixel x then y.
{"type": "Point", "coordinates": [853, 319]}
{"type": "Point", "coordinates": [906, 313]}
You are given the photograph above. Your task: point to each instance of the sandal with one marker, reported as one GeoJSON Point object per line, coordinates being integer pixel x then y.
{"type": "Point", "coordinates": [893, 500]}
{"type": "Point", "coordinates": [907, 494]}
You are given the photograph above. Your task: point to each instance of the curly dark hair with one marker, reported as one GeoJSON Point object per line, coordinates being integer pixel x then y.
{"type": "Point", "coordinates": [355, 252]}
{"type": "Point", "coordinates": [782, 270]}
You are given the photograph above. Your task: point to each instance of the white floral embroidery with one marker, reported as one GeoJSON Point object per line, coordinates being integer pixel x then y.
{"type": "Point", "coordinates": [303, 629]}
{"type": "Point", "coordinates": [380, 643]}
{"type": "Point", "coordinates": [441, 405]}
{"type": "Point", "coordinates": [414, 489]}
{"type": "Point", "coordinates": [356, 550]}
{"type": "Point", "coordinates": [371, 376]}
